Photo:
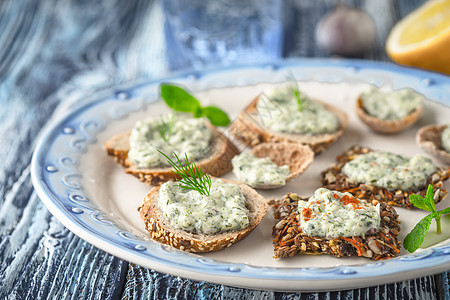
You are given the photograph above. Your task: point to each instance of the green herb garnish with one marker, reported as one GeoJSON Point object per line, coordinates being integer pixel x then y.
{"type": "Point", "coordinates": [301, 98]}
{"type": "Point", "coordinates": [165, 127]}
{"type": "Point", "coordinates": [192, 178]}
{"type": "Point", "coordinates": [180, 100]}
{"type": "Point", "coordinates": [417, 235]}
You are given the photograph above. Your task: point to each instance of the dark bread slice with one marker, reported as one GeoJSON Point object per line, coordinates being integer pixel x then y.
{"type": "Point", "coordinates": [429, 138]}
{"type": "Point", "coordinates": [290, 240]}
{"type": "Point", "coordinates": [387, 127]}
{"type": "Point", "coordinates": [160, 229]}
{"type": "Point", "coordinates": [334, 179]}
{"type": "Point", "coordinates": [248, 129]}
{"type": "Point", "coordinates": [298, 157]}
{"type": "Point", "coordinates": [217, 162]}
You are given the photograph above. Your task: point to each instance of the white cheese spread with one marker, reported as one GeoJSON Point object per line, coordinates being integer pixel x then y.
{"type": "Point", "coordinates": [390, 106]}
{"type": "Point", "coordinates": [223, 210]}
{"type": "Point", "coordinates": [333, 214]}
{"type": "Point", "coordinates": [445, 138]}
{"type": "Point", "coordinates": [256, 171]}
{"type": "Point", "coordinates": [182, 135]}
{"type": "Point", "coordinates": [279, 110]}
{"type": "Point", "coordinates": [390, 171]}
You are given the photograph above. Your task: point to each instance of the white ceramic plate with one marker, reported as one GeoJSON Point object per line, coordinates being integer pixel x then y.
{"type": "Point", "coordinates": [95, 199]}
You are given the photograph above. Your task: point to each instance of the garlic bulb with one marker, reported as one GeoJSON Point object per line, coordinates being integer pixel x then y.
{"type": "Point", "coordinates": [346, 31]}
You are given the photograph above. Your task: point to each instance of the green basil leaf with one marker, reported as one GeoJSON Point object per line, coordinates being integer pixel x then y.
{"type": "Point", "coordinates": [178, 99]}
{"type": "Point", "coordinates": [216, 116]}
{"type": "Point", "coordinates": [415, 238]}
{"type": "Point", "coordinates": [199, 112]}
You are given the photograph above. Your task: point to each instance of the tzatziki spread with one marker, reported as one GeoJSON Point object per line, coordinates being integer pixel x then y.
{"type": "Point", "coordinates": [183, 135]}
{"type": "Point", "coordinates": [390, 106]}
{"type": "Point", "coordinates": [223, 210]}
{"type": "Point", "coordinates": [279, 110]}
{"type": "Point", "coordinates": [333, 214]}
{"type": "Point", "coordinates": [390, 171]}
{"type": "Point", "coordinates": [256, 171]}
{"type": "Point", "coordinates": [445, 138]}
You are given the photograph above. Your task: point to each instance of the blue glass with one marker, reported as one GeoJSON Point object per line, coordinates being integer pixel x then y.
{"type": "Point", "coordinates": [202, 32]}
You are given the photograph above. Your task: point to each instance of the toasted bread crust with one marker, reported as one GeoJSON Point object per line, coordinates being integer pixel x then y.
{"type": "Point", "coordinates": [386, 127]}
{"type": "Point", "coordinates": [248, 129]}
{"type": "Point", "coordinates": [334, 179]}
{"type": "Point", "coordinates": [216, 163]}
{"type": "Point", "coordinates": [289, 238]}
{"type": "Point", "coordinates": [297, 156]}
{"type": "Point", "coordinates": [160, 229]}
{"type": "Point", "coordinates": [429, 138]}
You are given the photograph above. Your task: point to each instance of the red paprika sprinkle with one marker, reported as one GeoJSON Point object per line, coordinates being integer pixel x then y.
{"type": "Point", "coordinates": [306, 212]}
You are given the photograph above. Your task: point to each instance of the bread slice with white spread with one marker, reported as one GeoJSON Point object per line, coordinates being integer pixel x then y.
{"type": "Point", "coordinates": [249, 129]}
{"type": "Point", "coordinates": [216, 162]}
{"type": "Point", "coordinates": [290, 239]}
{"type": "Point", "coordinates": [335, 179]}
{"type": "Point", "coordinates": [429, 138]}
{"type": "Point", "coordinates": [383, 126]}
{"type": "Point", "coordinates": [161, 230]}
{"type": "Point", "coordinates": [269, 163]}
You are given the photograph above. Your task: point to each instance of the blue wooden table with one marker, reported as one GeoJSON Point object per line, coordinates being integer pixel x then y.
{"type": "Point", "coordinates": [56, 54]}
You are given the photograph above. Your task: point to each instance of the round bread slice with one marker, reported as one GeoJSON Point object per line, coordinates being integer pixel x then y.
{"type": "Point", "coordinates": [217, 162]}
{"type": "Point", "coordinates": [387, 127]}
{"type": "Point", "coordinates": [249, 129]}
{"type": "Point", "coordinates": [429, 138]}
{"type": "Point", "coordinates": [298, 157]}
{"type": "Point", "coordinates": [160, 229]}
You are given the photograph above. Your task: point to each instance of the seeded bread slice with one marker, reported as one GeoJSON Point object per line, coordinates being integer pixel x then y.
{"type": "Point", "coordinates": [297, 156]}
{"type": "Point", "coordinates": [290, 240]}
{"type": "Point", "coordinates": [334, 179]}
{"type": "Point", "coordinates": [160, 229]}
{"type": "Point", "coordinates": [216, 162]}
{"type": "Point", "coordinates": [387, 127]}
{"type": "Point", "coordinates": [248, 128]}
{"type": "Point", "coordinates": [429, 138]}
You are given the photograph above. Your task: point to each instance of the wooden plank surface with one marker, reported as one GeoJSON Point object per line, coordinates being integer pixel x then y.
{"type": "Point", "coordinates": [54, 54]}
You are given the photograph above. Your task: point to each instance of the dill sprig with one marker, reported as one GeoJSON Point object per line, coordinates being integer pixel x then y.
{"type": "Point", "coordinates": [294, 88]}
{"type": "Point", "coordinates": [165, 128]}
{"type": "Point", "coordinates": [192, 178]}
{"type": "Point", "coordinates": [162, 129]}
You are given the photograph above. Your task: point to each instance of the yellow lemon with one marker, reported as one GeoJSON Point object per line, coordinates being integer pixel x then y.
{"type": "Point", "coordinates": [422, 38]}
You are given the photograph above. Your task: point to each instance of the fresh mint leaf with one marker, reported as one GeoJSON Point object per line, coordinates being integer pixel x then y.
{"type": "Point", "coordinates": [426, 203]}
{"type": "Point", "coordinates": [419, 202]}
{"type": "Point", "coordinates": [415, 238]}
{"type": "Point", "coordinates": [178, 99]}
{"type": "Point", "coordinates": [216, 116]}
{"type": "Point", "coordinates": [429, 198]}
{"type": "Point", "coordinates": [444, 211]}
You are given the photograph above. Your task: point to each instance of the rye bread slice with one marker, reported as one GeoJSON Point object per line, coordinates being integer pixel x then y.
{"type": "Point", "coordinates": [298, 157]}
{"type": "Point", "coordinates": [160, 229]}
{"type": "Point", "coordinates": [248, 129]}
{"type": "Point", "coordinates": [217, 162]}
{"type": "Point", "coordinates": [290, 240]}
{"type": "Point", "coordinates": [387, 127]}
{"type": "Point", "coordinates": [429, 138]}
{"type": "Point", "coordinates": [334, 179]}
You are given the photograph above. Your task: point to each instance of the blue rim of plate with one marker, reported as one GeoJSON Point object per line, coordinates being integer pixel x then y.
{"type": "Point", "coordinates": [57, 180]}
